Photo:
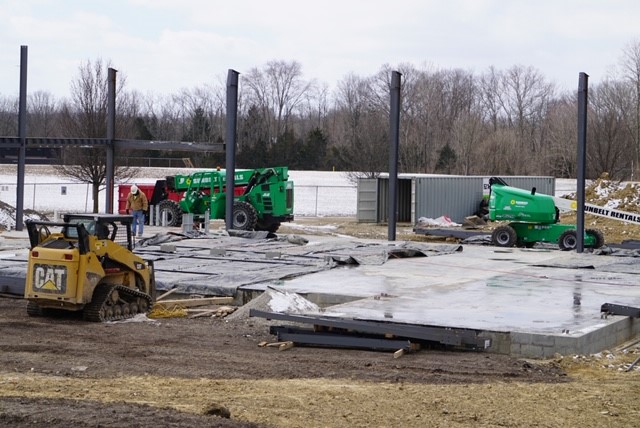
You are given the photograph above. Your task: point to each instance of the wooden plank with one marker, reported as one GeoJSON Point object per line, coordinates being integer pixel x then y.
{"type": "Point", "coordinates": [162, 296]}
{"type": "Point", "coordinates": [399, 353]}
{"type": "Point", "coordinates": [274, 344]}
{"type": "Point", "coordinates": [282, 346]}
{"type": "Point", "coordinates": [208, 313]}
{"type": "Point", "coordinates": [190, 303]}
{"type": "Point", "coordinates": [285, 346]}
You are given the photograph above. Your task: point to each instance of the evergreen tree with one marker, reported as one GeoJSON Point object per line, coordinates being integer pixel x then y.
{"type": "Point", "coordinates": [314, 151]}
{"type": "Point", "coordinates": [447, 159]}
{"type": "Point", "coordinates": [199, 129]}
{"type": "Point", "coordinates": [141, 130]}
{"type": "Point", "coordinates": [286, 151]}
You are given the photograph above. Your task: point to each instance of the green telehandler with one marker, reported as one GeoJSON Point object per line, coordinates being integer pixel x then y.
{"type": "Point", "coordinates": [263, 198]}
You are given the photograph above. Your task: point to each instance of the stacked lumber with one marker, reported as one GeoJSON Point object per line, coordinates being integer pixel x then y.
{"type": "Point", "coordinates": [163, 308]}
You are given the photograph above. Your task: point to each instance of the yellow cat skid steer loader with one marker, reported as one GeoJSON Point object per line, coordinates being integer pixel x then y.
{"type": "Point", "coordinates": [87, 266]}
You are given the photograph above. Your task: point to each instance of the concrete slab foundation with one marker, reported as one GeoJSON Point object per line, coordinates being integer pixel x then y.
{"type": "Point", "coordinates": [531, 303]}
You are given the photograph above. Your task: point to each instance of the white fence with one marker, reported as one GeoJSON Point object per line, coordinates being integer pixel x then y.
{"type": "Point", "coordinates": [49, 197]}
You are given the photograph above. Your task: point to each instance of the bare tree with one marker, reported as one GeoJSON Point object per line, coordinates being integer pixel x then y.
{"type": "Point", "coordinates": [277, 90]}
{"type": "Point", "coordinates": [314, 109]}
{"type": "Point", "coordinates": [200, 101]}
{"type": "Point", "coordinates": [630, 64]}
{"type": "Point", "coordinates": [417, 142]}
{"type": "Point", "coordinates": [163, 118]}
{"type": "Point", "coordinates": [517, 99]}
{"type": "Point", "coordinates": [562, 135]}
{"type": "Point", "coordinates": [501, 153]}
{"type": "Point", "coordinates": [490, 96]}
{"type": "Point", "coordinates": [608, 148]}
{"type": "Point", "coordinates": [467, 135]}
{"type": "Point", "coordinates": [85, 116]}
{"type": "Point", "coordinates": [8, 116]}
{"type": "Point", "coordinates": [42, 109]}
{"type": "Point", "coordinates": [362, 129]}
{"type": "Point", "coordinates": [432, 101]}
{"type": "Point", "coordinates": [524, 100]}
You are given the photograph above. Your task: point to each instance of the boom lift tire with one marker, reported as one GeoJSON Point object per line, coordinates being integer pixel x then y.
{"type": "Point", "coordinates": [173, 212]}
{"type": "Point", "coordinates": [245, 216]}
{"type": "Point", "coordinates": [597, 235]}
{"type": "Point", "coordinates": [504, 236]}
{"type": "Point", "coordinates": [568, 240]}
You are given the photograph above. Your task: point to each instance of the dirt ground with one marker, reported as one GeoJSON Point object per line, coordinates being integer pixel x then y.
{"type": "Point", "coordinates": [179, 372]}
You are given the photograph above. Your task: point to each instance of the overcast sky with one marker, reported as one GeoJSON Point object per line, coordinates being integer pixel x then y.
{"type": "Point", "coordinates": [165, 45]}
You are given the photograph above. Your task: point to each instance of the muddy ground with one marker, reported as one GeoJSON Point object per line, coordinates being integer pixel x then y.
{"type": "Point", "coordinates": [169, 372]}
{"type": "Point", "coordinates": [61, 372]}
{"type": "Point", "coordinates": [179, 372]}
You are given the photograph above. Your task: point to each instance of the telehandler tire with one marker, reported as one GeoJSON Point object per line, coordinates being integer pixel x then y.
{"type": "Point", "coordinates": [269, 227]}
{"type": "Point", "coordinates": [244, 216]}
{"type": "Point", "coordinates": [173, 212]}
{"type": "Point", "coordinates": [504, 236]}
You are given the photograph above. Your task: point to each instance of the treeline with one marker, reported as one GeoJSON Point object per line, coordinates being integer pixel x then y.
{"type": "Point", "coordinates": [498, 122]}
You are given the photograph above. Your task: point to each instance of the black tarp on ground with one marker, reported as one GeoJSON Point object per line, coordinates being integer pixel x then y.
{"type": "Point", "coordinates": [219, 264]}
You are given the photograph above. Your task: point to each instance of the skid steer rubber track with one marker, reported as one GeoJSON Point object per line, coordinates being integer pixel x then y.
{"type": "Point", "coordinates": [34, 310]}
{"type": "Point", "coordinates": [116, 302]}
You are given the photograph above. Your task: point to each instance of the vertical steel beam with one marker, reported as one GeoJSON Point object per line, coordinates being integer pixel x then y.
{"type": "Point", "coordinates": [581, 158]}
{"type": "Point", "coordinates": [394, 125]}
{"type": "Point", "coordinates": [230, 144]}
{"type": "Point", "coordinates": [22, 134]}
{"type": "Point", "coordinates": [111, 135]}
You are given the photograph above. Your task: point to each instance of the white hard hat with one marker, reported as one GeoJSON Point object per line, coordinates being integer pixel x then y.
{"type": "Point", "coordinates": [134, 189]}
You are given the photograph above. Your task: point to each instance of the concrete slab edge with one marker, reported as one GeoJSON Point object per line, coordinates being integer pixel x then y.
{"type": "Point", "coordinates": [616, 331]}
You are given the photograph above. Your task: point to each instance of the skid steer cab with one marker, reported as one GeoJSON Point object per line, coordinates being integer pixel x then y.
{"type": "Point", "coordinates": [532, 218]}
{"type": "Point", "coordinates": [86, 263]}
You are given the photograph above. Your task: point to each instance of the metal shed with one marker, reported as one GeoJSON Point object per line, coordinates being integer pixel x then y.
{"type": "Point", "coordinates": [432, 195]}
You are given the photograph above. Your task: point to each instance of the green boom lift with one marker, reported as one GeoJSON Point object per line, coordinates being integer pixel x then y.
{"type": "Point", "coordinates": [532, 218]}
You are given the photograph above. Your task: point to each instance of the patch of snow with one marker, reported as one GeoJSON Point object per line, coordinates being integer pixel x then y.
{"type": "Point", "coordinates": [285, 302]}
{"type": "Point", "coordinates": [273, 300]}
{"type": "Point", "coordinates": [135, 318]}
{"type": "Point", "coordinates": [613, 203]}
{"type": "Point", "coordinates": [6, 220]}
{"type": "Point", "coordinates": [8, 216]}
{"type": "Point", "coordinates": [442, 221]}
{"type": "Point", "coordinates": [308, 228]}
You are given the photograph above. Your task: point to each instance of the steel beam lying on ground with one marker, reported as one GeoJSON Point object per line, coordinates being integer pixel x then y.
{"type": "Point", "coordinates": [443, 335]}
{"type": "Point", "coordinates": [336, 340]}
{"type": "Point", "coordinates": [613, 309]}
